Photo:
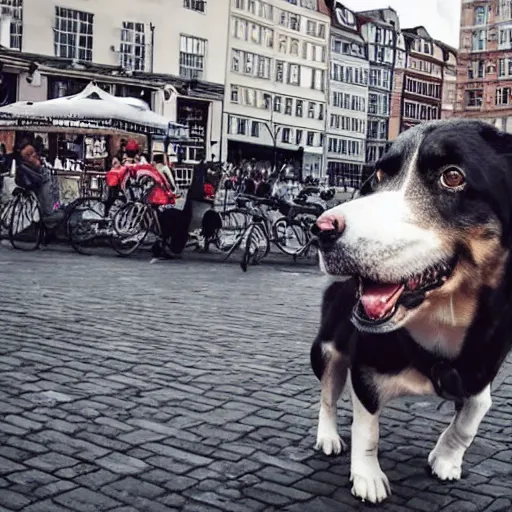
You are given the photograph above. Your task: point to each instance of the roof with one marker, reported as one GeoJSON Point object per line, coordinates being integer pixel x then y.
{"type": "Point", "coordinates": [322, 7]}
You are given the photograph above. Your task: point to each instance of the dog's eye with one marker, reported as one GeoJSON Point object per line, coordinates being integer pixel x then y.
{"type": "Point", "coordinates": [452, 178]}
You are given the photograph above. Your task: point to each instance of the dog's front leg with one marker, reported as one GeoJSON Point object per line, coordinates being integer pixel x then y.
{"type": "Point", "coordinates": [446, 458]}
{"type": "Point", "coordinates": [331, 368]}
{"type": "Point", "coordinates": [368, 480]}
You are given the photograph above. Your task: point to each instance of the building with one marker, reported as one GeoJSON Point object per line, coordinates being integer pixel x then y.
{"type": "Point", "coordinates": [418, 81]}
{"type": "Point", "coordinates": [380, 29]}
{"type": "Point", "coordinates": [449, 90]}
{"type": "Point", "coordinates": [171, 53]}
{"type": "Point", "coordinates": [345, 150]}
{"type": "Point", "coordinates": [275, 99]}
{"type": "Point", "coordinates": [484, 67]}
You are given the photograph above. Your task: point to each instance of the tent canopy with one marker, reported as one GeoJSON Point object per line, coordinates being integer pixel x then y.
{"type": "Point", "coordinates": [90, 110]}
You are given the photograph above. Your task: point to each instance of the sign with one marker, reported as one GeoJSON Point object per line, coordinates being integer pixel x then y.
{"type": "Point", "coordinates": [343, 17]}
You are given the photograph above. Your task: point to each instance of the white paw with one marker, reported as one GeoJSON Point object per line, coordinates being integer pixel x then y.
{"type": "Point", "coordinates": [330, 443]}
{"type": "Point", "coordinates": [373, 486]}
{"type": "Point", "coordinates": [446, 466]}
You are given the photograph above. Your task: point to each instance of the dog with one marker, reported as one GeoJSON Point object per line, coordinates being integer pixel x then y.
{"type": "Point", "coordinates": [421, 294]}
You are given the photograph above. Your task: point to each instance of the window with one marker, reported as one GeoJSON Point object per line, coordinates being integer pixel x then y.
{"type": "Point", "coordinates": [234, 94]}
{"type": "Point", "coordinates": [480, 15]}
{"type": "Point", "coordinates": [255, 129]}
{"type": "Point", "coordinates": [476, 69]}
{"type": "Point", "coordinates": [235, 60]}
{"type": "Point", "coordinates": [250, 64]}
{"type": "Point", "coordinates": [279, 71]}
{"type": "Point", "coordinates": [310, 141]}
{"type": "Point", "coordinates": [311, 28]}
{"type": "Point", "coordinates": [311, 110]}
{"type": "Point", "coordinates": [288, 106]}
{"type": "Point", "coordinates": [277, 103]}
{"type": "Point", "coordinates": [73, 34]}
{"type": "Point", "coordinates": [317, 79]}
{"type": "Point", "coordinates": [133, 46]}
{"type": "Point", "coordinates": [474, 97]}
{"type": "Point", "coordinates": [194, 5]}
{"type": "Point", "coordinates": [294, 22]}
{"type": "Point", "coordinates": [16, 7]}
{"type": "Point", "coordinates": [293, 74]}
{"type": "Point", "coordinates": [294, 47]}
{"type": "Point", "coordinates": [241, 128]}
{"type": "Point", "coordinates": [285, 137]}
{"type": "Point", "coordinates": [298, 137]}
{"type": "Point", "coordinates": [192, 56]}
{"type": "Point", "coordinates": [298, 108]}
{"type": "Point", "coordinates": [320, 112]}
{"type": "Point", "coordinates": [503, 96]}
{"type": "Point", "coordinates": [479, 40]}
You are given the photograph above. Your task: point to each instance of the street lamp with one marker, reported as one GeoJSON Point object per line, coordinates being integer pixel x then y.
{"type": "Point", "coordinates": [272, 128]}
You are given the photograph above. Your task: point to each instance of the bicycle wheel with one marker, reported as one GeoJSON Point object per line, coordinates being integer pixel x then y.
{"type": "Point", "coordinates": [86, 224]}
{"type": "Point", "coordinates": [233, 224]}
{"type": "Point", "coordinates": [257, 246]}
{"type": "Point", "coordinates": [132, 224]}
{"type": "Point", "coordinates": [290, 236]}
{"type": "Point", "coordinates": [5, 218]}
{"type": "Point", "coordinates": [26, 225]}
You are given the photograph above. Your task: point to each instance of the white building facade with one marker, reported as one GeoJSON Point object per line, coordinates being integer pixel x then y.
{"type": "Point", "coordinates": [185, 39]}
{"type": "Point", "coordinates": [276, 77]}
{"type": "Point", "coordinates": [348, 100]}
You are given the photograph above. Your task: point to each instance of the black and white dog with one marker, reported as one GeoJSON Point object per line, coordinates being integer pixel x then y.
{"type": "Point", "coordinates": [427, 304]}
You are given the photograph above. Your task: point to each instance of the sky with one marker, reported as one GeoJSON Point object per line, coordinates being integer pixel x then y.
{"type": "Point", "coordinates": [441, 18]}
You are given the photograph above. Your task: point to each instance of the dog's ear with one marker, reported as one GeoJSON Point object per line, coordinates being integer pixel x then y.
{"type": "Point", "coordinates": [500, 141]}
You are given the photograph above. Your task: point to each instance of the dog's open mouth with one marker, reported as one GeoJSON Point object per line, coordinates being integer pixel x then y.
{"type": "Point", "coordinates": [378, 302]}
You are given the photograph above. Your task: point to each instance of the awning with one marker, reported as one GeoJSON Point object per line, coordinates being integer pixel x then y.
{"type": "Point", "coordinates": [91, 110]}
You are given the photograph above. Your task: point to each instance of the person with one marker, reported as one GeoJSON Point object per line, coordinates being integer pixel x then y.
{"type": "Point", "coordinates": [30, 175]}
{"type": "Point", "coordinates": [163, 168]}
{"type": "Point", "coordinates": [118, 179]}
{"type": "Point", "coordinates": [176, 223]}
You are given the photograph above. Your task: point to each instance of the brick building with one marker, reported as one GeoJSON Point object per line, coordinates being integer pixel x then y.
{"type": "Point", "coordinates": [484, 69]}
{"type": "Point", "coordinates": [418, 80]}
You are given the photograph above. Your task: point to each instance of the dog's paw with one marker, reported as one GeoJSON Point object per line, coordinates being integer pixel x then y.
{"type": "Point", "coordinates": [445, 466]}
{"type": "Point", "coordinates": [330, 443]}
{"type": "Point", "coordinates": [372, 487]}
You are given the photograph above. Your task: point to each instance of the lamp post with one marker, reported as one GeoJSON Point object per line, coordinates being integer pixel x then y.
{"type": "Point", "coordinates": [273, 130]}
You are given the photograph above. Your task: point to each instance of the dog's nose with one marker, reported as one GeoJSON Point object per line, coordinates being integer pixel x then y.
{"type": "Point", "coordinates": [328, 227]}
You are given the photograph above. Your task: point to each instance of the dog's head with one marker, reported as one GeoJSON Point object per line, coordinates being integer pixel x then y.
{"type": "Point", "coordinates": [435, 226]}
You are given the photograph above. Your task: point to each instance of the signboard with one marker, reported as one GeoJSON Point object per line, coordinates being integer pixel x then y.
{"type": "Point", "coordinates": [343, 17]}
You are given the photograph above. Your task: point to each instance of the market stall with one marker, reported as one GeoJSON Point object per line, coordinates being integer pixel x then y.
{"type": "Point", "coordinates": [79, 135]}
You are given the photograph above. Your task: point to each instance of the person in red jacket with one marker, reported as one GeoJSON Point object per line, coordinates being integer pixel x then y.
{"type": "Point", "coordinates": [120, 176]}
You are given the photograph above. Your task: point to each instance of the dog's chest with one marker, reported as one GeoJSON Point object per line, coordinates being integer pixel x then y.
{"type": "Point", "coordinates": [442, 340]}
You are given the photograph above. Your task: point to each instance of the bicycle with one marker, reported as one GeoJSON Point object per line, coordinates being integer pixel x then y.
{"type": "Point", "coordinates": [256, 236]}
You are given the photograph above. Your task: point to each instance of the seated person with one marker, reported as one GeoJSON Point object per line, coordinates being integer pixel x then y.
{"type": "Point", "coordinates": [30, 175]}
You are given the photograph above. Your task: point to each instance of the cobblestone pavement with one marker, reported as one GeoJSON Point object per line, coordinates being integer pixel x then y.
{"type": "Point", "coordinates": [186, 386]}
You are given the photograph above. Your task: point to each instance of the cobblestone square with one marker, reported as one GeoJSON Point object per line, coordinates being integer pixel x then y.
{"type": "Point", "coordinates": [186, 386]}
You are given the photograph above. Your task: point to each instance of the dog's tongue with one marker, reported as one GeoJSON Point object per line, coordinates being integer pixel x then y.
{"type": "Point", "coordinates": [379, 299]}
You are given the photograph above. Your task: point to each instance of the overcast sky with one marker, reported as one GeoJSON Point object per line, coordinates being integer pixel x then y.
{"type": "Point", "coordinates": [440, 17]}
